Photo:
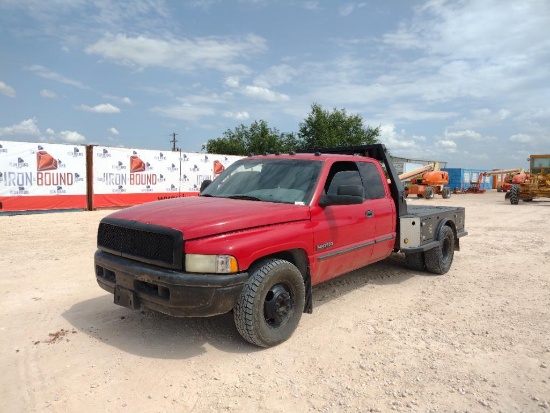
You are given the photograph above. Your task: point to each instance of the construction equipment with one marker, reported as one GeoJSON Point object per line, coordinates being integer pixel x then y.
{"type": "Point", "coordinates": [506, 178]}
{"type": "Point", "coordinates": [407, 175]}
{"type": "Point", "coordinates": [536, 183]}
{"type": "Point", "coordinates": [429, 184]}
{"type": "Point", "coordinates": [475, 187]}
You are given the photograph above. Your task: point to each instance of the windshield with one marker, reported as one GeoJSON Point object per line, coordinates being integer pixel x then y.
{"type": "Point", "coordinates": [274, 180]}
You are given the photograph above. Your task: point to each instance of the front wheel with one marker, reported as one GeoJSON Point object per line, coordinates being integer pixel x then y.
{"type": "Point", "coordinates": [446, 193]}
{"type": "Point", "coordinates": [514, 195]}
{"type": "Point", "coordinates": [439, 259]}
{"type": "Point", "coordinates": [271, 303]}
{"type": "Point", "coordinates": [429, 192]}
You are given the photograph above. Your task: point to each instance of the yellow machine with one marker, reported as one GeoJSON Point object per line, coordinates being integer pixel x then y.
{"type": "Point", "coordinates": [537, 182]}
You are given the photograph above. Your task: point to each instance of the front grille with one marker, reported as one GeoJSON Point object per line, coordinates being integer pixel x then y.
{"type": "Point", "coordinates": [147, 243]}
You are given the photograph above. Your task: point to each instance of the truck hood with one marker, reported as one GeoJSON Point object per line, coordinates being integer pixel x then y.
{"type": "Point", "coordinates": [198, 217]}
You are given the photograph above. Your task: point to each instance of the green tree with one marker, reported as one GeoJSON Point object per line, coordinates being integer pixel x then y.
{"type": "Point", "coordinates": [256, 138]}
{"type": "Point", "coordinates": [328, 129]}
{"type": "Point", "coordinates": [320, 129]}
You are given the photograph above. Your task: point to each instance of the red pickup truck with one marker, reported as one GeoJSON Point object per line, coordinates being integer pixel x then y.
{"type": "Point", "coordinates": [264, 232]}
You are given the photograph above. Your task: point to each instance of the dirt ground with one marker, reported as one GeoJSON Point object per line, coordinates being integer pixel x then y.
{"type": "Point", "coordinates": [383, 338]}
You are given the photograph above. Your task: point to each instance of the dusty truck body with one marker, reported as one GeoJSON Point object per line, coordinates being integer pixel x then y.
{"type": "Point", "coordinates": [264, 232]}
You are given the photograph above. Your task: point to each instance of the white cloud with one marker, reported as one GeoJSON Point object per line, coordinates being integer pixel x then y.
{"type": "Point", "coordinates": [349, 8]}
{"type": "Point", "coordinates": [276, 76]}
{"type": "Point", "coordinates": [7, 90]}
{"type": "Point", "coordinates": [520, 138]}
{"type": "Point", "coordinates": [114, 131]}
{"type": "Point", "coordinates": [448, 146]}
{"type": "Point", "coordinates": [463, 134]}
{"type": "Point", "coordinates": [311, 5]}
{"type": "Point", "coordinates": [237, 115]}
{"type": "Point", "coordinates": [50, 131]}
{"type": "Point", "coordinates": [232, 81]}
{"type": "Point", "coordinates": [48, 94]}
{"type": "Point", "coordinates": [419, 138]}
{"type": "Point", "coordinates": [346, 9]}
{"type": "Point", "coordinates": [462, 30]}
{"type": "Point", "coordinates": [25, 128]}
{"type": "Point", "coordinates": [504, 114]}
{"type": "Point", "coordinates": [51, 75]}
{"type": "Point", "coordinates": [395, 140]}
{"type": "Point", "coordinates": [101, 108]}
{"type": "Point", "coordinates": [223, 54]}
{"type": "Point", "coordinates": [262, 93]}
{"type": "Point", "coordinates": [125, 100]}
{"type": "Point", "coordinates": [71, 137]}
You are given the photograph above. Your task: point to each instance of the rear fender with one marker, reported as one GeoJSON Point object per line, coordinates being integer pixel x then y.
{"type": "Point", "coordinates": [449, 223]}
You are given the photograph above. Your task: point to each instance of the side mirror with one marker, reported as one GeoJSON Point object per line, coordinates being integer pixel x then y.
{"type": "Point", "coordinates": [205, 183]}
{"type": "Point", "coordinates": [347, 195]}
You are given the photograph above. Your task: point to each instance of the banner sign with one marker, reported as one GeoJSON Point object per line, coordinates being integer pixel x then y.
{"type": "Point", "coordinates": [42, 176]}
{"type": "Point", "coordinates": [123, 177]}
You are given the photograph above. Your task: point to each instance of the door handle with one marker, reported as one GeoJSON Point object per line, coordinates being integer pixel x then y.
{"type": "Point", "coordinates": [369, 213]}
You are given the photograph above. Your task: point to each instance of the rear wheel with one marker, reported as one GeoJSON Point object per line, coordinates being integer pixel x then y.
{"type": "Point", "coordinates": [428, 192]}
{"type": "Point", "coordinates": [415, 261]}
{"type": "Point", "coordinates": [439, 259]}
{"type": "Point", "coordinates": [514, 195]}
{"type": "Point", "coordinates": [271, 303]}
{"type": "Point", "coordinates": [446, 192]}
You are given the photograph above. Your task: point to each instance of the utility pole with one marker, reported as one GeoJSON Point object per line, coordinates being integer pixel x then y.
{"type": "Point", "coordinates": [174, 141]}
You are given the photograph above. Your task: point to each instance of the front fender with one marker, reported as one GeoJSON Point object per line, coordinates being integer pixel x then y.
{"type": "Point", "coordinates": [252, 244]}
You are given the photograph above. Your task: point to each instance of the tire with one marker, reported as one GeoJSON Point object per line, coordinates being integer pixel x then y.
{"type": "Point", "coordinates": [499, 188]}
{"type": "Point", "coordinates": [514, 195]}
{"type": "Point", "coordinates": [428, 192]}
{"type": "Point", "coordinates": [439, 259]}
{"type": "Point", "coordinates": [446, 193]}
{"type": "Point", "coordinates": [271, 303]}
{"type": "Point", "coordinates": [415, 261]}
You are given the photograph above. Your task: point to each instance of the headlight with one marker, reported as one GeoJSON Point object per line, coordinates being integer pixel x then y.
{"type": "Point", "coordinates": [213, 264]}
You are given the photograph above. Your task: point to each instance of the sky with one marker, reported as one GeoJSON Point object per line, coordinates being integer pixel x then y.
{"type": "Point", "coordinates": [466, 82]}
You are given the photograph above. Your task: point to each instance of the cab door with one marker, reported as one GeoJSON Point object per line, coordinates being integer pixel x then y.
{"type": "Point", "coordinates": [378, 200]}
{"type": "Point", "coordinates": [343, 234]}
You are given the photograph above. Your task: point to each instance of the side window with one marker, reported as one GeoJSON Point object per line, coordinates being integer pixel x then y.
{"type": "Point", "coordinates": [372, 181]}
{"type": "Point", "coordinates": [342, 173]}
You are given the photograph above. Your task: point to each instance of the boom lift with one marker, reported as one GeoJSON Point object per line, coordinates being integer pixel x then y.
{"type": "Point", "coordinates": [430, 182]}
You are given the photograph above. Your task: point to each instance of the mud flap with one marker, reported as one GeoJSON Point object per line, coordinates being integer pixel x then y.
{"type": "Point", "coordinates": [126, 298]}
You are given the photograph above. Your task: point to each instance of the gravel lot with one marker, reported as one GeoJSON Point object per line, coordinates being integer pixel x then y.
{"type": "Point", "coordinates": [380, 339]}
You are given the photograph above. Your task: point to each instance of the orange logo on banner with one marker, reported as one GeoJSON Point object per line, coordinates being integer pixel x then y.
{"type": "Point", "coordinates": [218, 168]}
{"type": "Point", "coordinates": [45, 162]}
{"type": "Point", "coordinates": [136, 164]}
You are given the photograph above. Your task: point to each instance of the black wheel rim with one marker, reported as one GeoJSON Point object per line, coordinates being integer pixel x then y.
{"type": "Point", "coordinates": [278, 305]}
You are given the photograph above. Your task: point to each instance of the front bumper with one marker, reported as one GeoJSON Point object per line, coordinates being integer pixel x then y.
{"type": "Point", "coordinates": [179, 294]}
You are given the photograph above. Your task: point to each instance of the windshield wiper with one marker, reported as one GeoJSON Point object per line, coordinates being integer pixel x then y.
{"type": "Point", "coordinates": [247, 197]}
{"type": "Point", "coordinates": [206, 195]}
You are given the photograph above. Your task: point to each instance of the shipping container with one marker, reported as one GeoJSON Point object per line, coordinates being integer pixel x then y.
{"type": "Point", "coordinates": [460, 179]}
